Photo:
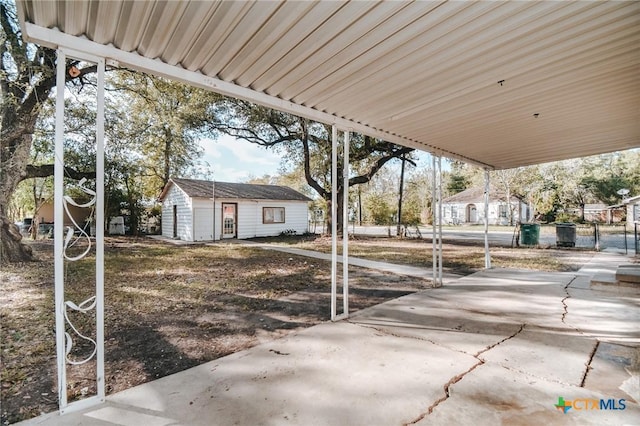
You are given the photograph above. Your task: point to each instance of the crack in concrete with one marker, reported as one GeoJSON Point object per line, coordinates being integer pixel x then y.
{"type": "Point", "coordinates": [402, 336]}
{"type": "Point", "coordinates": [534, 376]}
{"type": "Point", "coordinates": [457, 378]}
{"type": "Point", "coordinates": [447, 392]}
{"type": "Point", "coordinates": [564, 315]}
{"type": "Point", "coordinates": [488, 348]}
{"type": "Point", "coordinates": [588, 365]}
{"type": "Point", "coordinates": [564, 300]}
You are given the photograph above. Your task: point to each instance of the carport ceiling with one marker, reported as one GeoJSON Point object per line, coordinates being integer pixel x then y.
{"type": "Point", "coordinates": [501, 84]}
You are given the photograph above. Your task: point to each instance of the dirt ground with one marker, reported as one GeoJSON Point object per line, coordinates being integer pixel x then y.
{"type": "Point", "coordinates": [169, 308]}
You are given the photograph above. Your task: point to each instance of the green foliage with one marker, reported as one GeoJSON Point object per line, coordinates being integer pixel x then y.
{"type": "Point", "coordinates": [308, 144]}
{"type": "Point", "coordinates": [458, 178]}
{"type": "Point", "coordinates": [380, 210]}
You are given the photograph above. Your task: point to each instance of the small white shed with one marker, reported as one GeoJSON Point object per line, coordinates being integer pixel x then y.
{"type": "Point", "coordinates": [468, 207]}
{"type": "Point", "coordinates": [241, 210]}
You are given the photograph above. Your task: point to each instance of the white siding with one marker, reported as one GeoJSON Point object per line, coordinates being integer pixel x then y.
{"type": "Point", "coordinates": [494, 212]}
{"type": "Point", "coordinates": [202, 219]}
{"type": "Point", "coordinates": [249, 217]}
{"type": "Point", "coordinates": [195, 221]}
{"type": "Point", "coordinates": [296, 215]}
{"type": "Point", "coordinates": [176, 197]}
{"type": "Point", "coordinates": [203, 224]}
{"type": "Point", "coordinates": [247, 226]}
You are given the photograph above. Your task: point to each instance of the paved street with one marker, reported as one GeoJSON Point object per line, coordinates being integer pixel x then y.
{"type": "Point", "coordinates": [476, 235]}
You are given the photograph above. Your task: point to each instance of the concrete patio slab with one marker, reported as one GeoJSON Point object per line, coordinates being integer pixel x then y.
{"type": "Point", "coordinates": [497, 347]}
{"type": "Point", "coordinates": [551, 355]}
{"type": "Point", "coordinates": [516, 398]}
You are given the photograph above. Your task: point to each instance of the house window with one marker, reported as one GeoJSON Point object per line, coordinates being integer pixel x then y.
{"type": "Point", "coordinates": [454, 212]}
{"type": "Point", "coordinates": [273, 215]}
{"type": "Point", "coordinates": [502, 210]}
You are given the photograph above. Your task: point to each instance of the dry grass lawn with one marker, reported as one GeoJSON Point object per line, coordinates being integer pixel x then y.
{"type": "Point", "coordinates": [168, 308]}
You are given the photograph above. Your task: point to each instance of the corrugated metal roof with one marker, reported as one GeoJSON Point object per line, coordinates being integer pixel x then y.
{"type": "Point", "coordinates": [503, 84]}
{"type": "Point", "coordinates": [204, 189]}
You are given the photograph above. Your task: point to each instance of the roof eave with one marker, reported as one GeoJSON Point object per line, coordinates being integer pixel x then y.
{"type": "Point", "coordinates": [86, 49]}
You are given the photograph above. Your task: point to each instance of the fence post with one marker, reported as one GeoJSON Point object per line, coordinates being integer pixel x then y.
{"type": "Point", "coordinates": [626, 250]}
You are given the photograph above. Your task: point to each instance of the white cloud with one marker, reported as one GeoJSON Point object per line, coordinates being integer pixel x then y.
{"type": "Point", "coordinates": [236, 160]}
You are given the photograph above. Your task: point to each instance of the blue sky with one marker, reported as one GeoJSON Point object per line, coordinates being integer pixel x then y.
{"type": "Point", "coordinates": [233, 160]}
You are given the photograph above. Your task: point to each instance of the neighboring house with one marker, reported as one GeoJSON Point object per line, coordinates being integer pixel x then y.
{"type": "Point", "coordinates": [468, 207]}
{"type": "Point", "coordinates": [241, 210]}
{"type": "Point", "coordinates": [596, 213]}
{"type": "Point", "coordinates": [633, 210]}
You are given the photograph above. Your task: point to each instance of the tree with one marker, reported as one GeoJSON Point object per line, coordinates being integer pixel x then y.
{"type": "Point", "coordinates": [27, 76]}
{"type": "Point", "coordinates": [308, 143]}
{"type": "Point", "coordinates": [157, 123]}
{"type": "Point", "coordinates": [506, 180]}
{"type": "Point", "coordinates": [457, 179]}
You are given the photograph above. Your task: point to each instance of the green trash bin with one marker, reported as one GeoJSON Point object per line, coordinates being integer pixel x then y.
{"type": "Point", "coordinates": [565, 234]}
{"type": "Point", "coordinates": [529, 234]}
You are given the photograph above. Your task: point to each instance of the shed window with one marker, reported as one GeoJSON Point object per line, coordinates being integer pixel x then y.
{"type": "Point", "coordinates": [273, 215]}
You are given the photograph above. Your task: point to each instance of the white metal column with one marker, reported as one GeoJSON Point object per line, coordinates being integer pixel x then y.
{"type": "Point", "coordinates": [64, 338]}
{"type": "Point", "coordinates": [334, 215]}
{"type": "Point", "coordinates": [487, 188]}
{"type": "Point", "coordinates": [345, 226]}
{"type": "Point", "coordinates": [58, 229]}
{"type": "Point", "coordinates": [437, 220]}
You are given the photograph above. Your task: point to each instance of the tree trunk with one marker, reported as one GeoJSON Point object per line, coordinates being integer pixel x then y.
{"type": "Point", "coordinates": [339, 219]}
{"type": "Point", "coordinates": [15, 155]}
{"type": "Point", "coordinates": [11, 247]}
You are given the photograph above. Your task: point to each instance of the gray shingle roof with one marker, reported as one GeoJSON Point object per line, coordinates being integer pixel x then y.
{"type": "Point", "coordinates": [204, 189]}
{"type": "Point", "coordinates": [476, 195]}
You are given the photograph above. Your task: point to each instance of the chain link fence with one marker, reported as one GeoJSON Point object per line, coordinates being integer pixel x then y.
{"type": "Point", "coordinates": [601, 236]}
{"type": "Point", "coordinates": [593, 236]}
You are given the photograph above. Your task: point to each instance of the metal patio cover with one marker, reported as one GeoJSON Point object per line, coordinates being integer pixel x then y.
{"type": "Point", "coordinates": [499, 84]}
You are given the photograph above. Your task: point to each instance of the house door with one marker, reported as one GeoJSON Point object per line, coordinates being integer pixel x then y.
{"type": "Point", "coordinates": [175, 221]}
{"type": "Point", "coordinates": [472, 213]}
{"type": "Point", "coordinates": [229, 220]}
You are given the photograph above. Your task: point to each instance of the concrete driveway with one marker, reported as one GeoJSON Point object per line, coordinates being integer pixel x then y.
{"type": "Point", "coordinates": [497, 347]}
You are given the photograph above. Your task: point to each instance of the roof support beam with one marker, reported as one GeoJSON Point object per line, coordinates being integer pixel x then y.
{"type": "Point", "coordinates": [118, 58]}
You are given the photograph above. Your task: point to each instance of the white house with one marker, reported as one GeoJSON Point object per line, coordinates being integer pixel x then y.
{"type": "Point", "coordinates": [241, 210]}
{"type": "Point", "coordinates": [633, 210]}
{"type": "Point", "coordinates": [468, 207]}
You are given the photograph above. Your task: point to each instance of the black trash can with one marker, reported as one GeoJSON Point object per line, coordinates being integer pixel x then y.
{"type": "Point", "coordinates": [565, 234]}
{"type": "Point", "coordinates": [529, 234]}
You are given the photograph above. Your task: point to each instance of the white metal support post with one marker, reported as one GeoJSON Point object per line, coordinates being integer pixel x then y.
{"type": "Point", "coordinates": [333, 215]}
{"type": "Point", "coordinates": [58, 229]}
{"type": "Point", "coordinates": [100, 378]}
{"type": "Point", "coordinates": [64, 337]}
{"type": "Point", "coordinates": [437, 220]}
{"type": "Point", "coordinates": [487, 188]}
{"type": "Point", "coordinates": [440, 221]}
{"type": "Point", "coordinates": [345, 227]}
